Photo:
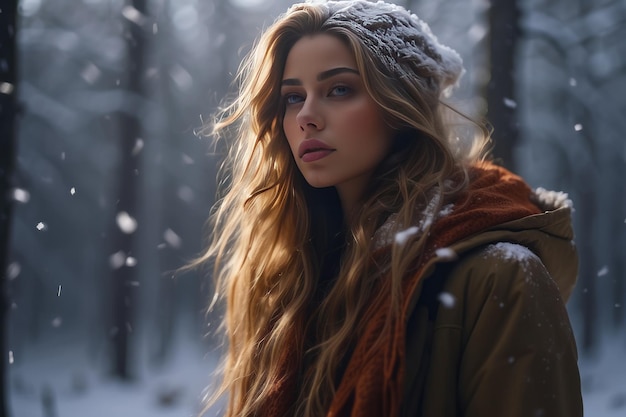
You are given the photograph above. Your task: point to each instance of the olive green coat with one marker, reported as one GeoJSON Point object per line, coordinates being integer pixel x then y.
{"type": "Point", "coordinates": [489, 335]}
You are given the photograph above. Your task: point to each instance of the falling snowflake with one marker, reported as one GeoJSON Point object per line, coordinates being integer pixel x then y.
{"type": "Point", "coordinates": [187, 160]}
{"type": "Point", "coordinates": [131, 261]}
{"type": "Point", "coordinates": [138, 147]}
{"type": "Point", "coordinates": [90, 73]}
{"type": "Point", "coordinates": [403, 236]}
{"type": "Point", "coordinates": [172, 239]}
{"type": "Point", "coordinates": [510, 103]}
{"type": "Point", "coordinates": [185, 193]}
{"type": "Point", "coordinates": [117, 260]}
{"type": "Point", "coordinates": [41, 226]}
{"type": "Point", "coordinates": [13, 270]}
{"type": "Point", "coordinates": [126, 223]}
{"type": "Point", "coordinates": [134, 15]}
{"type": "Point", "coordinates": [447, 299]}
{"type": "Point", "coordinates": [20, 195]}
{"type": "Point", "coordinates": [183, 79]}
{"type": "Point", "coordinates": [446, 254]}
{"type": "Point", "coordinates": [6, 88]}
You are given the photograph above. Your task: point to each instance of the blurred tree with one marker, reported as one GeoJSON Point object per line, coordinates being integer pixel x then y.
{"type": "Point", "coordinates": [501, 97]}
{"type": "Point", "coordinates": [130, 129]}
{"type": "Point", "coordinates": [8, 116]}
{"type": "Point", "coordinates": [573, 89]}
{"type": "Point", "coordinates": [618, 261]}
{"type": "Point", "coordinates": [573, 152]}
{"type": "Point", "coordinates": [170, 213]}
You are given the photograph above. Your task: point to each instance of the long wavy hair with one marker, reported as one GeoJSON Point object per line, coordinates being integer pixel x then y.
{"type": "Point", "coordinates": [293, 274]}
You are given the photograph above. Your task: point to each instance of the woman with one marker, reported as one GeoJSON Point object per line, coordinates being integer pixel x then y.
{"type": "Point", "coordinates": [373, 263]}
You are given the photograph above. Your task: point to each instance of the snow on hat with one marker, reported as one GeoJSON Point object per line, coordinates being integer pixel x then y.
{"type": "Point", "coordinates": [401, 40]}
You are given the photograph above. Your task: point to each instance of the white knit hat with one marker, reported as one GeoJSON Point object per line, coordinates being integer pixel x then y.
{"type": "Point", "coordinates": [403, 42]}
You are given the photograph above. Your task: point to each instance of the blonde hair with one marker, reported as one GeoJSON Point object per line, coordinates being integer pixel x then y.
{"type": "Point", "coordinates": [271, 236]}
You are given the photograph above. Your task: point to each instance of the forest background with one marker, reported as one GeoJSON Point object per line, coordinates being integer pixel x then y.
{"type": "Point", "coordinates": [108, 187]}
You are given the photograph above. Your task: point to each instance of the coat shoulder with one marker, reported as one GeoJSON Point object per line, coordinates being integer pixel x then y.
{"type": "Point", "coordinates": [502, 268]}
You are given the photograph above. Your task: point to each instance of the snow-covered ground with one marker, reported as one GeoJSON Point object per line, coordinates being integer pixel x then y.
{"type": "Point", "coordinates": [604, 379]}
{"type": "Point", "coordinates": [63, 384]}
{"type": "Point", "coordinates": [70, 388]}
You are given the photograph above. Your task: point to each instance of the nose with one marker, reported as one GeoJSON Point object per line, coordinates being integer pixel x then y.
{"type": "Point", "coordinates": [310, 116]}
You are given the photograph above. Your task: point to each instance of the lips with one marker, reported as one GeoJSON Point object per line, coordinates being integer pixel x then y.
{"type": "Point", "coordinates": [312, 149]}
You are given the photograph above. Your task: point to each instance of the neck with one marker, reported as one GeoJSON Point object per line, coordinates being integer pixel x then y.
{"type": "Point", "coordinates": [349, 205]}
{"type": "Point", "coordinates": [351, 196]}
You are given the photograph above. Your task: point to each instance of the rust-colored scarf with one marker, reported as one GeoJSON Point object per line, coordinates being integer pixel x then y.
{"type": "Point", "coordinates": [372, 382]}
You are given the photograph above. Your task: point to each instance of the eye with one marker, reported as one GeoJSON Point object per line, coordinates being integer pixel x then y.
{"type": "Point", "coordinates": [340, 91]}
{"type": "Point", "coordinates": [292, 98]}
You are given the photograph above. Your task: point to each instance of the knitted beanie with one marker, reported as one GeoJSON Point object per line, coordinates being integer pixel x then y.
{"type": "Point", "coordinates": [404, 43]}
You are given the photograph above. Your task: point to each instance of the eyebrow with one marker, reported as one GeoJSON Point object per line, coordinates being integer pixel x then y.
{"type": "Point", "coordinates": [322, 75]}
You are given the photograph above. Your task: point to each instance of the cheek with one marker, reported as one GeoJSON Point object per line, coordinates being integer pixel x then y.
{"type": "Point", "coordinates": [367, 123]}
{"type": "Point", "coordinates": [289, 130]}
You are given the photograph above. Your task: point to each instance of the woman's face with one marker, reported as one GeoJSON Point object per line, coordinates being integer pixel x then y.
{"type": "Point", "coordinates": [335, 130]}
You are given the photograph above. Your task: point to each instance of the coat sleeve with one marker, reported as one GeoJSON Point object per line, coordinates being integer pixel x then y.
{"type": "Point", "coordinates": [519, 357]}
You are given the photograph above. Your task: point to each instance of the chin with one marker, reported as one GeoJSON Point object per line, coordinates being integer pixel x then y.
{"type": "Point", "coordinates": [319, 182]}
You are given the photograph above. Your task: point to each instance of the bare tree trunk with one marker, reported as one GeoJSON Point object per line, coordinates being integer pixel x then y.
{"type": "Point", "coordinates": [8, 116]}
{"type": "Point", "coordinates": [169, 216]}
{"type": "Point", "coordinates": [587, 274]}
{"type": "Point", "coordinates": [124, 276]}
{"type": "Point", "coordinates": [618, 271]}
{"type": "Point", "coordinates": [501, 103]}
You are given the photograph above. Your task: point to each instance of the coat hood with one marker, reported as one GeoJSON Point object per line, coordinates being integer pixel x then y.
{"type": "Point", "coordinates": [497, 207]}
{"type": "Point", "coordinates": [547, 233]}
